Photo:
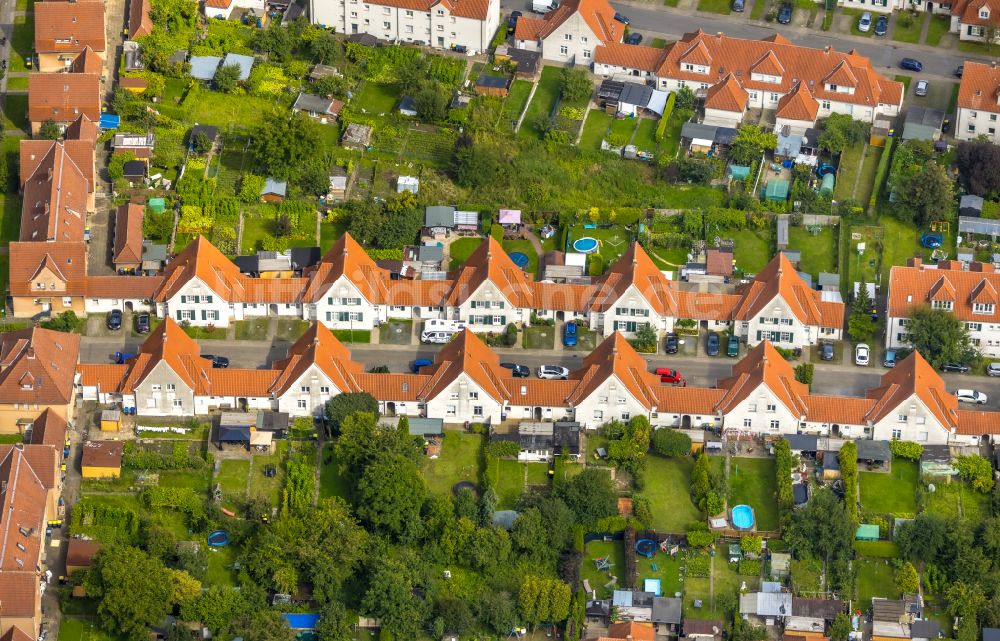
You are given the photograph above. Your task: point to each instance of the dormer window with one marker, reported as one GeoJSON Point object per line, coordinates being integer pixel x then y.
{"type": "Point", "coordinates": [945, 305]}
{"type": "Point", "coordinates": [983, 308]}
{"type": "Point", "coordinates": [984, 12]}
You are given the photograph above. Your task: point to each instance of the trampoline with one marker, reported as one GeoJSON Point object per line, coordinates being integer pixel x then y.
{"type": "Point", "coordinates": [218, 539]}
{"type": "Point", "coordinates": [645, 547]}
{"type": "Point", "coordinates": [824, 169]}
{"type": "Point", "coordinates": [931, 240]}
{"type": "Point", "coordinates": [586, 245]}
{"type": "Point", "coordinates": [742, 517]}
{"type": "Point", "coordinates": [520, 259]}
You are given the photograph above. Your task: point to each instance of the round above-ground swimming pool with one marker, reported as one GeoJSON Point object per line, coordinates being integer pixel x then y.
{"type": "Point", "coordinates": [585, 245]}
{"type": "Point", "coordinates": [218, 539]}
{"type": "Point", "coordinates": [519, 258]}
{"type": "Point", "coordinates": [742, 517]}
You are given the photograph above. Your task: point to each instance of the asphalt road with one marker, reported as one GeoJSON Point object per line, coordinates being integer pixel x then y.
{"type": "Point", "coordinates": [844, 380]}
{"type": "Point", "coordinates": [662, 21]}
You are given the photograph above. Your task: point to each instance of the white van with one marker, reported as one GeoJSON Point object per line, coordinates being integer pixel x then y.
{"type": "Point", "coordinates": [438, 338]}
{"type": "Point", "coordinates": [443, 325]}
{"type": "Point", "coordinates": [542, 6]}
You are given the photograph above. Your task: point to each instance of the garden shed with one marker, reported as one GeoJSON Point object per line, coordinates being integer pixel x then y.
{"type": "Point", "coordinates": [426, 427]}
{"type": "Point", "coordinates": [970, 205]}
{"type": "Point", "coordinates": [867, 532]}
{"type": "Point", "coordinates": [831, 465]}
{"type": "Point", "coordinates": [873, 451]}
{"type": "Point", "coordinates": [102, 459]}
{"type": "Point", "coordinates": [274, 190]}
{"type": "Point", "coordinates": [526, 62]}
{"type": "Point", "coordinates": [492, 85]}
{"type": "Point", "coordinates": [134, 171]}
{"type": "Point", "coordinates": [935, 460]}
{"type": "Point", "coordinates": [700, 137]}
{"type": "Point", "coordinates": [407, 183]}
{"type": "Point", "coordinates": [407, 107]}
{"type": "Point", "coordinates": [111, 420]}
{"type": "Point", "coordinates": [922, 123]}
{"type": "Point", "coordinates": [356, 136]}
{"type": "Point", "coordinates": [322, 108]}
{"type": "Point", "coordinates": [153, 257]}
{"type": "Point", "coordinates": [204, 67]}
{"type": "Point", "coordinates": [245, 63]}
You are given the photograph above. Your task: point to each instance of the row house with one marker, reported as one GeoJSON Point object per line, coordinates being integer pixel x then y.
{"type": "Point", "coordinates": [466, 383]}
{"type": "Point", "coordinates": [572, 32]}
{"type": "Point", "coordinates": [978, 102]}
{"type": "Point", "coordinates": [64, 97]}
{"type": "Point", "coordinates": [442, 24]}
{"type": "Point", "coordinates": [975, 20]}
{"type": "Point", "coordinates": [37, 368]}
{"type": "Point", "coordinates": [63, 30]}
{"type": "Point", "coordinates": [970, 293]}
{"type": "Point", "coordinates": [733, 75]}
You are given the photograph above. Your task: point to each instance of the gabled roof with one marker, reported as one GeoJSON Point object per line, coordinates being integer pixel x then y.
{"type": "Point", "coordinates": [779, 278]}
{"type": "Point", "coordinates": [348, 259]}
{"type": "Point", "coordinates": [489, 262]}
{"type": "Point", "coordinates": [598, 14]}
{"type": "Point", "coordinates": [911, 286]}
{"type": "Point", "coordinates": [55, 198]}
{"type": "Point", "coordinates": [318, 347]}
{"type": "Point", "coordinates": [635, 267]}
{"type": "Point", "coordinates": [168, 343]}
{"type": "Point", "coordinates": [914, 376]}
{"type": "Point", "coordinates": [978, 89]}
{"type": "Point", "coordinates": [984, 293]}
{"type": "Point", "coordinates": [66, 261]}
{"type": "Point", "coordinates": [81, 152]}
{"type": "Point", "coordinates": [615, 357]}
{"type": "Point", "coordinates": [727, 95]}
{"type": "Point", "coordinates": [696, 54]}
{"type": "Point", "coordinates": [128, 233]}
{"type": "Point", "coordinates": [83, 128]}
{"type": "Point", "coordinates": [37, 366]}
{"type": "Point", "coordinates": [768, 65]}
{"type": "Point", "coordinates": [528, 29]}
{"type": "Point", "coordinates": [469, 355]}
{"type": "Point", "coordinates": [942, 290]}
{"type": "Point", "coordinates": [202, 260]}
{"type": "Point", "coordinates": [87, 61]}
{"type": "Point", "coordinates": [841, 75]}
{"type": "Point", "coordinates": [49, 429]}
{"type": "Point", "coordinates": [622, 55]}
{"type": "Point", "coordinates": [69, 26]}
{"type": "Point", "coordinates": [16, 634]}
{"type": "Point", "coordinates": [63, 97]}
{"type": "Point", "coordinates": [763, 365]}
{"type": "Point", "coordinates": [22, 512]}
{"type": "Point", "coordinates": [139, 22]}
{"type": "Point", "coordinates": [968, 11]}
{"type": "Point", "coordinates": [798, 104]}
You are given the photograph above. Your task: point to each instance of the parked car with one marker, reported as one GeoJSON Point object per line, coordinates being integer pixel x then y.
{"type": "Point", "coordinates": [960, 368]}
{"type": "Point", "coordinates": [673, 344]}
{"type": "Point", "coordinates": [668, 375]}
{"type": "Point", "coordinates": [569, 334]}
{"type": "Point", "coordinates": [218, 362]}
{"type": "Point", "coordinates": [114, 320]}
{"type": "Point", "coordinates": [785, 13]}
{"type": "Point", "coordinates": [519, 371]}
{"type": "Point", "coordinates": [712, 344]}
{"type": "Point", "coordinates": [921, 89]}
{"type": "Point", "coordinates": [121, 357]}
{"type": "Point", "coordinates": [881, 26]}
{"type": "Point", "coordinates": [420, 362]}
{"type": "Point", "coordinates": [553, 371]}
{"type": "Point", "coordinates": [971, 396]}
{"type": "Point", "coordinates": [993, 369]}
{"type": "Point", "coordinates": [959, 70]}
{"type": "Point", "coordinates": [911, 64]}
{"type": "Point", "coordinates": [865, 22]}
{"type": "Point", "coordinates": [862, 354]}
{"type": "Point", "coordinates": [622, 18]}
{"type": "Point", "coordinates": [826, 351]}
{"type": "Point", "coordinates": [142, 323]}
{"type": "Point", "coordinates": [889, 360]}
{"type": "Point", "coordinates": [633, 38]}
{"type": "Point", "coordinates": [733, 346]}
{"type": "Point", "coordinates": [738, 6]}
{"type": "Point", "coordinates": [512, 20]}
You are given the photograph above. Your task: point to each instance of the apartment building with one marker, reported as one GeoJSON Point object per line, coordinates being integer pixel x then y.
{"type": "Point", "coordinates": [442, 24]}
{"type": "Point", "coordinates": [63, 30]}
{"type": "Point", "coordinates": [978, 102]}
{"type": "Point", "coordinates": [37, 368]}
{"type": "Point", "coordinates": [570, 33]}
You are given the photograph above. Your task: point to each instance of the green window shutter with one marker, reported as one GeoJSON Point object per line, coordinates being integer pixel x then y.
{"type": "Point", "coordinates": [204, 316]}
{"type": "Point", "coordinates": [209, 299]}
{"type": "Point", "coordinates": [178, 314]}
{"type": "Point", "coordinates": [184, 299]}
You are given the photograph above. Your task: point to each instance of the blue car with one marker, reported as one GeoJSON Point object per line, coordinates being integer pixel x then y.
{"type": "Point", "coordinates": [420, 362]}
{"type": "Point", "coordinates": [911, 64]}
{"type": "Point", "coordinates": [569, 334]}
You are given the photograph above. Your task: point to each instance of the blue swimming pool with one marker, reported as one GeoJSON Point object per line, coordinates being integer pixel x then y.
{"type": "Point", "coordinates": [743, 517]}
{"type": "Point", "coordinates": [585, 245]}
{"type": "Point", "coordinates": [520, 259]}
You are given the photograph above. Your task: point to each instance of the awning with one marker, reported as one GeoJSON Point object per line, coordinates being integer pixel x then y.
{"type": "Point", "coordinates": [658, 101]}
{"type": "Point", "coordinates": [510, 216]}
{"type": "Point", "coordinates": [701, 142]}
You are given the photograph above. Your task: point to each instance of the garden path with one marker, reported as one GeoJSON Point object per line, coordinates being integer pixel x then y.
{"type": "Point", "coordinates": [861, 167]}
{"type": "Point", "coordinates": [520, 119]}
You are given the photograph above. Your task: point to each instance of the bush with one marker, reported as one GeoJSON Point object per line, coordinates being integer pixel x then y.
{"type": "Point", "coordinates": [671, 443]}
{"type": "Point", "coordinates": [698, 566]}
{"type": "Point", "coordinates": [502, 449]}
{"type": "Point", "coordinates": [668, 109]}
{"type": "Point", "coordinates": [700, 538]}
{"type": "Point", "coordinates": [66, 321]}
{"type": "Point", "coordinates": [751, 544]}
{"type": "Point", "coordinates": [977, 470]}
{"type": "Point", "coordinates": [906, 450]}
{"type": "Point", "coordinates": [749, 567]}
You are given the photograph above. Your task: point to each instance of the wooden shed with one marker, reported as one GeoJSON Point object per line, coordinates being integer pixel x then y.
{"type": "Point", "coordinates": [111, 420]}
{"type": "Point", "coordinates": [492, 85]}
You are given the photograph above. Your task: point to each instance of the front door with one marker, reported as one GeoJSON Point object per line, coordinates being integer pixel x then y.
{"type": "Point", "coordinates": [354, 27]}
{"type": "Point", "coordinates": [441, 41]}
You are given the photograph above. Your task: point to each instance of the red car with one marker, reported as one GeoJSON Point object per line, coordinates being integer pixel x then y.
{"type": "Point", "coordinates": [668, 375]}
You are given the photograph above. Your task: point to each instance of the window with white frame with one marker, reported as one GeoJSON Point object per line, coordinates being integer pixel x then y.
{"type": "Point", "coordinates": [983, 308]}
{"type": "Point", "coordinates": [477, 410]}
{"type": "Point", "coordinates": [771, 407]}
{"type": "Point", "coordinates": [324, 390]}
{"type": "Point", "coordinates": [897, 434]}
{"type": "Point", "coordinates": [301, 403]}
{"type": "Point", "coordinates": [902, 418]}
{"type": "Point", "coordinates": [747, 422]}
{"type": "Point", "coordinates": [945, 305]}
{"type": "Point", "coordinates": [775, 425]}
{"type": "Point", "coordinates": [178, 402]}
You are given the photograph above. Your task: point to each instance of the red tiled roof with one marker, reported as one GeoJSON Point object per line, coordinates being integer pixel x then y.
{"type": "Point", "coordinates": [55, 198]}
{"type": "Point", "coordinates": [59, 267]}
{"type": "Point", "coordinates": [763, 365]}
{"type": "Point", "coordinates": [976, 423]}
{"type": "Point", "coordinates": [968, 11]}
{"type": "Point", "coordinates": [913, 376]}
{"type": "Point", "coordinates": [915, 286]}
{"type": "Point", "coordinates": [69, 26]}
{"type": "Point", "coordinates": [87, 61]}
{"type": "Point", "coordinates": [128, 233]}
{"type": "Point", "coordinates": [318, 347]}
{"type": "Point", "coordinates": [19, 594]}
{"type": "Point", "coordinates": [49, 429]}
{"type": "Point", "coordinates": [63, 97]}
{"type": "Point", "coordinates": [628, 56]}
{"type": "Point", "coordinates": [129, 287]}
{"type": "Point", "coordinates": [348, 259]}
{"type": "Point", "coordinates": [705, 306]}
{"type": "Point", "coordinates": [719, 262]}
{"type": "Point", "coordinates": [22, 501]}
{"type": "Point", "coordinates": [38, 366]}
{"type": "Point", "coordinates": [467, 354]}
{"type": "Point", "coordinates": [597, 14]}
{"type": "Point", "coordinates": [837, 409]}
{"type": "Point", "coordinates": [636, 269]}
{"type": "Point", "coordinates": [35, 152]}
{"type": "Point", "coordinates": [615, 357]}
{"type": "Point", "coordinates": [528, 29]}
{"type": "Point", "coordinates": [489, 262]}
{"type": "Point", "coordinates": [83, 128]}
{"type": "Point", "coordinates": [779, 278]}
{"type": "Point", "coordinates": [80, 553]}
{"type": "Point", "coordinates": [393, 387]}
{"type": "Point", "coordinates": [103, 454]}
{"type": "Point", "coordinates": [798, 104]}
{"type": "Point", "coordinates": [727, 95]}
{"type": "Point", "coordinates": [218, 4]}
{"type": "Point", "coordinates": [139, 22]}
{"type": "Point", "coordinates": [632, 630]}
{"type": "Point", "coordinates": [687, 400]}
{"type": "Point", "coordinates": [107, 377]}
{"type": "Point", "coordinates": [979, 89]}
{"type": "Point", "coordinates": [16, 634]}
{"type": "Point", "coordinates": [240, 382]}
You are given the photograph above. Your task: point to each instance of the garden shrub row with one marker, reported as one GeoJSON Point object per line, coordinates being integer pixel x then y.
{"type": "Point", "coordinates": [880, 174]}
{"type": "Point", "coordinates": [136, 457]}
{"type": "Point", "coordinates": [668, 109]}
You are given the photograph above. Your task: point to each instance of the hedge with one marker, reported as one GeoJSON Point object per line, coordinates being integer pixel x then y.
{"type": "Point", "coordinates": [668, 109]}
{"type": "Point", "coordinates": [385, 254]}
{"type": "Point", "coordinates": [880, 174]}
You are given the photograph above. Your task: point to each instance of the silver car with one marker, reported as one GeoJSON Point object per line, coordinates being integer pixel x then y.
{"type": "Point", "coordinates": [993, 369]}
{"type": "Point", "coordinates": [922, 86]}
{"type": "Point", "coordinates": [865, 23]}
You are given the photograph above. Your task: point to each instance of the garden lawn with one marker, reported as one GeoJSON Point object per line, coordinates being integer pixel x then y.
{"type": "Point", "coordinates": [290, 329]}
{"type": "Point", "coordinates": [902, 242]}
{"type": "Point", "coordinates": [329, 233]}
{"type": "Point", "coordinates": [672, 136]}
{"type": "Point", "coordinates": [621, 130]}
{"type": "Point", "coordinates": [526, 248]}
{"type": "Point", "coordinates": [16, 112]}
{"type": "Point", "coordinates": [538, 473]}
{"type": "Point", "coordinates": [514, 104]}
{"type": "Point", "coordinates": [850, 161]}
{"type": "Point", "coordinates": [461, 249]}
{"type": "Point", "coordinates": [261, 485]}
{"type": "Point", "coordinates": [331, 483]}
{"type": "Point", "coordinates": [594, 129]}
{"type": "Point", "coordinates": [875, 578]}
{"type": "Point", "coordinates": [16, 83]}
{"type": "Point", "coordinates": [22, 43]}
{"type": "Point", "coordinates": [539, 337]}
{"type": "Point", "coordinates": [818, 253]}
{"type": "Point", "coordinates": [668, 487]}
{"type": "Point", "coordinates": [73, 628]}
{"type": "Point", "coordinates": [668, 570]}
{"type": "Point", "coordinates": [752, 249]}
{"type": "Point", "coordinates": [715, 6]}
{"type": "Point", "coordinates": [893, 492]}
{"type": "Point", "coordinates": [955, 499]}
{"type": "Point", "coordinates": [644, 133]}
{"type": "Point", "coordinates": [864, 267]}
{"type": "Point", "coordinates": [911, 33]}
{"type": "Point", "coordinates": [254, 329]}
{"type": "Point", "coordinates": [257, 229]}
{"type": "Point", "coordinates": [202, 105]}
{"type": "Point", "coordinates": [597, 578]}
{"type": "Point", "coordinates": [353, 335]}
{"type": "Point", "coordinates": [939, 26]}
{"type": "Point", "coordinates": [613, 243]}
{"type": "Point", "coordinates": [4, 274]}
{"type": "Point", "coordinates": [544, 100]}
{"type": "Point", "coordinates": [459, 461]}
{"type": "Point", "coordinates": [726, 580]}
{"type": "Point", "coordinates": [752, 482]}
{"type": "Point", "coordinates": [377, 99]}
{"type": "Point", "coordinates": [232, 479]}
{"type": "Point", "coordinates": [508, 480]}
{"type": "Point", "coordinates": [197, 480]}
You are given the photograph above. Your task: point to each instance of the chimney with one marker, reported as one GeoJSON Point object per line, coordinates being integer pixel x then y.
{"type": "Point", "coordinates": [826, 49]}
{"type": "Point", "coordinates": [30, 353]}
{"type": "Point", "coordinates": [977, 266]}
{"type": "Point", "coordinates": [916, 261]}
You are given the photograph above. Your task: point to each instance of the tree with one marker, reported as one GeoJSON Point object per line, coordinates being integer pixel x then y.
{"type": "Point", "coordinates": [343, 405]}
{"type": "Point", "coordinates": [201, 144]}
{"type": "Point", "coordinates": [922, 539]}
{"type": "Point", "coordinates": [227, 78]}
{"type": "Point", "coordinates": [927, 195]}
{"type": "Point", "coordinates": [134, 591]}
{"type": "Point", "coordinates": [590, 495]}
{"type": "Point", "coordinates": [671, 443]}
{"type": "Point", "coordinates": [116, 166]}
{"type": "Point", "coordinates": [431, 102]}
{"type": "Point", "coordinates": [939, 336]}
{"type": "Point", "coordinates": [645, 338]}
{"type": "Point", "coordinates": [686, 100]}
{"type": "Point", "coordinates": [977, 470]}
{"type": "Point", "coordinates": [841, 131]}
{"type": "Point", "coordinates": [979, 168]}
{"type": "Point", "coordinates": [390, 495]}
{"type": "Point", "coordinates": [750, 143]}
{"type": "Point", "coordinates": [66, 321]}
{"type": "Point", "coordinates": [860, 324]}
{"type": "Point", "coordinates": [325, 48]}
{"type": "Point", "coordinates": [628, 442]}
{"type": "Point", "coordinates": [575, 84]}
{"type": "Point", "coordinates": [700, 478]}
{"type": "Point", "coordinates": [335, 624]}
{"type": "Point", "coordinates": [497, 611]}
{"type": "Point", "coordinates": [822, 529]}
{"type": "Point", "coordinates": [283, 145]}
{"type": "Point", "coordinates": [907, 581]}
{"type": "Point", "coordinates": [390, 598]}
{"type": "Point", "coordinates": [848, 457]}
{"type": "Point", "coordinates": [49, 130]}
{"type": "Point", "coordinates": [804, 373]}
{"type": "Point", "coordinates": [840, 629]}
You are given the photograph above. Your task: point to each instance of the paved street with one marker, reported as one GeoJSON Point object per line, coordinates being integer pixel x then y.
{"type": "Point", "coordinates": [702, 371]}
{"type": "Point", "coordinates": [660, 21]}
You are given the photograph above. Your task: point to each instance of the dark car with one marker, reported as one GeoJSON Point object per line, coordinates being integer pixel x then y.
{"type": "Point", "coordinates": [420, 362]}
{"type": "Point", "coordinates": [114, 320]}
{"type": "Point", "coordinates": [738, 6]}
{"type": "Point", "coordinates": [785, 13]}
{"type": "Point", "coordinates": [881, 26]}
{"type": "Point", "coordinates": [519, 371]}
{"type": "Point", "coordinates": [911, 64]}
{"type": "Point", "coordinates": [959, 70]}
{"type": "Point", "coordinates": [633, 38]}
{"type": "Point", "coordinates": [960, 368]}
{"type": "Point", "coordinates": [673, 343]}
{"type": "Point", "coordinates": [218, 362]}
{"type": "Point", "coordinates": [622, 18]}
{"type": "Point", "coordinates": [512, 20]}
{"type": "Point", "coordinates": [712, 344]}
{"type": "Point", "coordinates": [733, 346]}
{"type": "Point", "coordinates": [142, 323]}
{"type": "Point", "coordinates": [826, 352]}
